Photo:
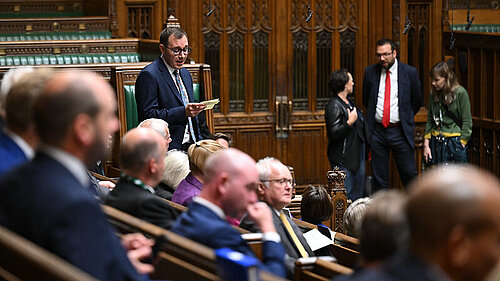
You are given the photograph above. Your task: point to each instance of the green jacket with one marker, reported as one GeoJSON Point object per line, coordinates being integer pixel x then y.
{"type": "Point", "coordinates": [460, 107]}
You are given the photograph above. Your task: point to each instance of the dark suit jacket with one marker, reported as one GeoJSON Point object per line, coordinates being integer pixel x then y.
{"type": "Point", "coordinates": [42, 201]}
{"type": "Point", "coordinates": [409, 93]}
{"type": "Point", "coordinates": [290, 248]}
{"type": "Point", "coordinates": [157, 96]}
{"type": "Point", "coordinates": [202, 225]}
{"type": "Point", "coordinates": [132, 199]}
{"type": "Point", "coordinates": [11, 154]}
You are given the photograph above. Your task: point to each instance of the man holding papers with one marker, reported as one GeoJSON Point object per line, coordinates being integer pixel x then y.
{"type": "Point", "coordinates": [164, 90]}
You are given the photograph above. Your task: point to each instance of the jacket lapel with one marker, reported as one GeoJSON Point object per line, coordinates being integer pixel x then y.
{"type": "Point", "coordinates": [168, 78]}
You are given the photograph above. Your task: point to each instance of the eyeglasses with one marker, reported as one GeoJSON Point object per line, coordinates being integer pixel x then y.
{"type": "Point", "coordinates": [178, 50]}
{"type": "Point", "coordinates": [281, 182]}
{"type": "Point", "coordinates": [384, 55]}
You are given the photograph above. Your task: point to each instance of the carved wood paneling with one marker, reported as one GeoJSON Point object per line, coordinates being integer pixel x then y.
{"type": "Point", "coordinates": [73, 24]}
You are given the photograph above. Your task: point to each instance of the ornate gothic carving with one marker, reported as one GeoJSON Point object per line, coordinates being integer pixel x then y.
{"type": "Point", "coordinates": [213, 22]}
{"type": "Point", "coordinates": [260, 15]}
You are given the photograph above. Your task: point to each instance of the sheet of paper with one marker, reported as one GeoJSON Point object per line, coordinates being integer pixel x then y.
{"type": "Point", "coordinates": [210, 103]}
{"type": "Point", "coordinates": [316, 240]}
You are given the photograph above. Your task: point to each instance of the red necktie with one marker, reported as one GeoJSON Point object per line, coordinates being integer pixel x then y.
{"type": "Point", "coordinates": [386, 119]}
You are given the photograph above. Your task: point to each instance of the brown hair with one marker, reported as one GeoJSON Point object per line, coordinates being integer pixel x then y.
{"type": "Point", "coordinates": [199, 152]}
{"type": "Point", "coordinates": [316, 205]}
{"type": "Point", "coordinates": [446, 94]}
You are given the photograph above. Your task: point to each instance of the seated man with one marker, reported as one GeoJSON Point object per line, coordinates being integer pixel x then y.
{"type": "Point", "coordinates": [19, 139]}
{"type": "Point", "coordinates": [229, 190]}
{"type": "Point", "coordinates": [275, 189]}
{"type": "Point", "coordinates": [160, 126]}
{"type": "Point", "coordinates": [47, 200]}
{"type": "Point", "coordinates": [141, 161]}
{"type": "Point", "coordinates": [452, 214]}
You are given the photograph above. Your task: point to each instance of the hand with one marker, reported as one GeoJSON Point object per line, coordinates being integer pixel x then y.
{"type": "Point", "coordinates": [107, 184]}
{"type": "Point", "coordinates": [261, 215]}
{"type": "Point", "coordinates": [138, 247]}
{"type": "Point", "coordinates": [427, 151]}
{"type": "Point", "coordinates": [353, 116]}
{"type": "Point", "coordinates": [193, 109]}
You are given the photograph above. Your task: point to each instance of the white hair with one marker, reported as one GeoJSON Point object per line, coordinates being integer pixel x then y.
{"type": "Point", "coordinates": [176, 168]}
{"type": "Point", "coordinates": [264, 168]}
{"type": "Point", "coordinates": [10, 78]}
{"type": "Point", "coordinates": [156, 124]}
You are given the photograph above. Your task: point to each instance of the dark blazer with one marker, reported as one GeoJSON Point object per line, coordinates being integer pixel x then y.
{"type": "Point", "coordinates": [11, 154]}
{"type": "Point", "coordinates": [140, 203]}
{"type": "Point", "coordinates": [42, 201]}
{"type": "Point", "coordinates": [290, 249]}
{"type": "Point", "coordinates": [409, 93]}
{"type": "Point", "coordinates": [202, 225]}
{"type": "Point", "coordinates": [157, 96]}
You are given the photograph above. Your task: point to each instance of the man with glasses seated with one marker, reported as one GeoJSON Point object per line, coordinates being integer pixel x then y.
{"type": "Point", "coordinates": [275, 189]}
{"type": "Point", "coordinates": [229, 190]}
{"type": "Point", "coordinates": [164, 90]}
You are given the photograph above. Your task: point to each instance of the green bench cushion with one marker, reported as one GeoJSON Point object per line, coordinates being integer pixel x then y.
{"type": "Point", "coordinates": [477, 27]}
{"type": "Point", "coordinates": [42, 36]}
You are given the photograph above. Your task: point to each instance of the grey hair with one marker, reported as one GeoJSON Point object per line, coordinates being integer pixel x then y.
{"type": "Point", "coordinates": [10, 78]}
{"type": "Point", "coordinates": [156, 124]}
{"type": "Point", "coordinates": [264, 168]}
{"type": "Point", "coordinates": [176, 168]}
{"type": "Point", "coordinates": [353, 216]}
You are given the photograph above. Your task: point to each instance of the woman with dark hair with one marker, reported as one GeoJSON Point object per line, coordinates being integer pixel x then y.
{"type": "Point", "coordinates": [449, 121]}
{"type": "Point", "coordinates": [316, 207]}
{"type": "Point", "coordinates": [345, 130]}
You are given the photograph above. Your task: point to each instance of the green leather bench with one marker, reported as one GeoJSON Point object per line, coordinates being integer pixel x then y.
{"type": "Point", "coordinates": [495, 28]}
{"type": "Point", "coordinates": [69, 59]}
{"type": "Point", "coordinates": [49, 36]}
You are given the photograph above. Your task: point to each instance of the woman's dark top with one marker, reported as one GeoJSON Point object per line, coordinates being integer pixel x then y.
{"type": "Point", "coordinates": [344, 141]}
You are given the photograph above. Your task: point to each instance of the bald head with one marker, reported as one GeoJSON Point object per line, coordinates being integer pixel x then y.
{"type": "Point", "coordinates": [449, 209]}
{"type": "Point", "coordinates": [230, 180]}
{"type": "Point", "coordinates": [139, 148]}
{"type": "Point", "coordinates": [77, 112]}
{"type": "Point", "coordinates": [231, 161]}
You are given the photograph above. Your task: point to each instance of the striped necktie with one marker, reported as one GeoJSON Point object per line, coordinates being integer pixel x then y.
{"type": "Point", "coordinates": [185, 101]}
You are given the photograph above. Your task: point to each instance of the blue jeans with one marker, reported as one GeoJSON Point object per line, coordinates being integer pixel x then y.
{"type": "Point", "coordinates": [355, 182]}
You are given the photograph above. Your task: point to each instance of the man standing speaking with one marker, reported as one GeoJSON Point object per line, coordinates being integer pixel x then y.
{"type": "Point", "coordinates": [164, 90]}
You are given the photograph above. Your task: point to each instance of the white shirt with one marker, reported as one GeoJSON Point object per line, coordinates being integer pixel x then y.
{"type": "Point", "coordinates": [187, 135]}
{"type": "Point", "coordinates": [23, 145]}
{"type": "Point", "coordinates": [69, 161]}
{"type": "Point", "coordinates": [379, 113]}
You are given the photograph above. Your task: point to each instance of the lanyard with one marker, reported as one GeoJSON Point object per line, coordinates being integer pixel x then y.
{"type": "Point", "coordinates": [137, 182]}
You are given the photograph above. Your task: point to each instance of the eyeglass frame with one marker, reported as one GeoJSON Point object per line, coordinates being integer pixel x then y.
{"type": "Point", "coordinates": [281, 181]}
{"type": "Point", "coordinates": [177, 50]}
{"type": "Point", "coordinates": [384, 55]}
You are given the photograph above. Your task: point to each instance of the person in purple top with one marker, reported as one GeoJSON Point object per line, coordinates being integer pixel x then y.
{"type": "Point", "coordinates": [192, 184]}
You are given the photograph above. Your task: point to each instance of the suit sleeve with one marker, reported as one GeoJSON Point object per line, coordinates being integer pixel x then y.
{"type": "Point", "coordinates": [157, 212]}
{"type": "Point", "coordinates": [81, 238]}
{"type": "Point", "coordinates": [146, 97]}
{"type": "Point", "coordinates": [416, 91]}
{"type": "Point", "coordinates": [365, 90]}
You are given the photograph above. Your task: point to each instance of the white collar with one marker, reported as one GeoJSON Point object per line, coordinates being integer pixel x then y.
{"type": "Point", "coordinates": [394, 66]}
{"type": "Point", "coordinates": [69, 161]}
{"type": "Point", "coordinates": [23, 145]}
{"type": "Point", "coordinates": [214, 208]}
